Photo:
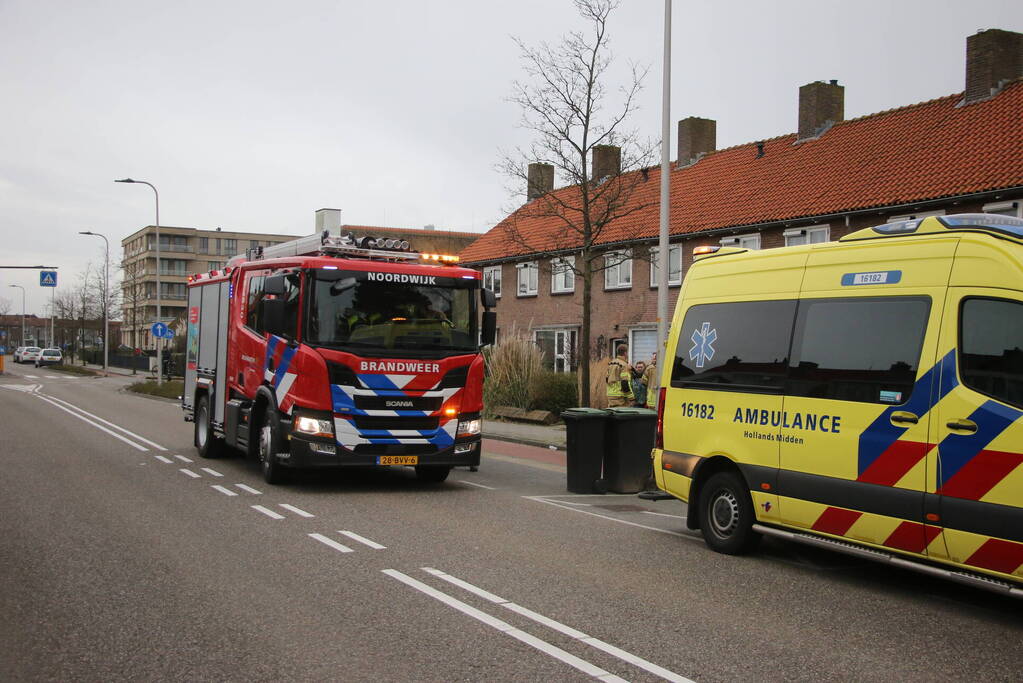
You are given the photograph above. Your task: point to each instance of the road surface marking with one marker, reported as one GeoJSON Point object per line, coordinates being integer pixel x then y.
{"type": "Point", "coordinates": [97, 426]}
{"type": "Point", "coordinates": [505, 627]}
{"type": "Point", "coordinates": [268, 512]}
{"type": "Point", "coordinates": [108, 423]}
{"type": "Point", "coordinates": [163, 459]}
{"type": "Point", "coordinates": [183, 458]}
{"type": "Point", "coordinates": [190, 473]}
{"type": "Point", "coordinates": [472, 483]}
{"type": "Point", "coordinates": [661, 514]}
{"type": "Point", "coordinates": [31, 377]}
{"type": "Point", "coordinates": [249, 489]}
{"type": "Point", "coordinates": [331, 543]}
{"type": "Point", "coordinates": [562, 628]}
{"type": "Point", "coordinates": [27, 388]}
{"type": "Point", "coordinates": [292, 508]}
{"type": "Point", "coordinates": [223, 489]}
{"type": "Point", "coordinates": [563, 506]}
{"type": "Point", "coordinates": [213, 472]}
{"type": "Point", "coordinates": [361, 539]}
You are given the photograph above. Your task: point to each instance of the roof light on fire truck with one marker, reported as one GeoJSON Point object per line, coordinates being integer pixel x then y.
{"type": "Point", "coordinates": [404, 245]}
{"type": "Point", "coordinates": [330, 267]}
{"type": "Point", "coordinates": [389, 243]}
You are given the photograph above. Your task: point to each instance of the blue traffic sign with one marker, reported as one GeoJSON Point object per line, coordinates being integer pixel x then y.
{"type": "Point", "coordinates": [47, 278]}
{"type": "Point", "coordinates": [160, 330]}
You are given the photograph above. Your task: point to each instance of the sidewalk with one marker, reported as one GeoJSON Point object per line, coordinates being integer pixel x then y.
{"type": "Point", "coordinates": [529, 434]}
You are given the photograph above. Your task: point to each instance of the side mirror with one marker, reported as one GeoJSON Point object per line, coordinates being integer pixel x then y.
{"type": "Point", "coordinates": [273, 315]}
{"type": "Point", "coordinates": [489, 332]}
{"type": "Point", "coordinates": [488, 298]}
{"type": "Point", "coordinates": [274, 284]}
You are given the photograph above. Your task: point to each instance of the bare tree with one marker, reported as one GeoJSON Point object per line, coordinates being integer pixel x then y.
{"type": "Point", "coordinates": [133, 297]}
{"type": "Point", "coordinates": [5, 306]}
{"type": "Point", "coordinates": [566, 105]}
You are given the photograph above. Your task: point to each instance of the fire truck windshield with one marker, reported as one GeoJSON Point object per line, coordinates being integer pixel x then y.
{"type": "Point", "coordinates": [361, 310]}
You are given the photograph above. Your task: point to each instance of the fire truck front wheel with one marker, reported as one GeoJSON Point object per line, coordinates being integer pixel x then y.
{"type": "Point", "coordinates": [433, 474]}
{"type": "Point", "coordinates": [269, 445]}
{"type": "Point", "coordinates": [206, 442]}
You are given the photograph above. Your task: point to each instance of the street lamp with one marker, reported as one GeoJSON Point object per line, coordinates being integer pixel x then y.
{"type": "Point", "coordinates": [159, 346]}
{"type": "Point", "coordinates": [106, 297]}
{"type": "Point", "coordinates": [22, 313]}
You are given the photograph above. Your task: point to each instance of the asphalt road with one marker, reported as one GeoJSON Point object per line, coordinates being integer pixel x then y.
{"type": "Point", "coordinates": [125, 556]}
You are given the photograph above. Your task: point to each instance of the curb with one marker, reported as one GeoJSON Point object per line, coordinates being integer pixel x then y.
{"type": "Point", "coordinates": [524, 442]}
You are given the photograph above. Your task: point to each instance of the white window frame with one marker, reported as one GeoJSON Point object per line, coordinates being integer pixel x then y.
{"type": "Point", "coordinates": [654, 253]}
{"type": "Point", "coordinates": [632, 342]}
{"type": "Point", "coordinates": [918, 216]}
{"type": "Point", "coordinates": [747, 241]}
{"type": "Point", "coordinates": [527, 271]}
{"type": "Point", "coordinates": [492, 275]}
{"type": "Point", "coordinates": [1015, 205]}
{"type": "Point", "coordinates": [790, 235]}
{"type": "Point", "coordinates": [616, 265]}
{"type": "Point", "coordinates": [563, 275]}
{"type": "Point", "coordinates": [569, 339]}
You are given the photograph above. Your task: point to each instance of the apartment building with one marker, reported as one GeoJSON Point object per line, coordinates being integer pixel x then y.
{"type": "Point", "coordinates": [183, 251]}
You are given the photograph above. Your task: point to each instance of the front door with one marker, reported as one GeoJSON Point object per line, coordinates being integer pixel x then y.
{"type": "Point", "coordinates": [979, 431]}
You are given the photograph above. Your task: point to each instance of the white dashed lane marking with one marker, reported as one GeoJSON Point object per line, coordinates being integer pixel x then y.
{"type": "Point", "coordinates": [163, 459]}
{"type": "Point", "coordinates": [183, 458]}
{"type": "Point", "coordinates": [268, 512]}
{"type": "Point", "coordinates": [213, 472]}
{"type": "Point", "coordinates": [249, 489]}
{"type": "Point", "coordinates": [362, 539]}
{"type": "Point", "coordinates": [223, 489]}
{"type": "Point", "coordinates": [331, 543]}
{"type": "Point", "coordinates": [297, 511]}
{"type": "Point", "coordinates": [190, 473]}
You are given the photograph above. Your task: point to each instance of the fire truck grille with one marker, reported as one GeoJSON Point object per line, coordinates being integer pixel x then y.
{"type": "Point", "coordinates": [395, 449]}
{"type": "Point", "coordinates": [393, 424]}
{"type": "Point", "coordinates": [427, 404]}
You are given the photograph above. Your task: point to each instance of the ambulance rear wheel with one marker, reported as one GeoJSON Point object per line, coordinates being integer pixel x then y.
{"type": "Point", "coordinates": [726, 515]}
{"type": "Point", "coordinates": [433, 474]}
{"type": "Point", "coordinates": [206, 442]}
{"type": "Point", "coordinates": [269, 445]}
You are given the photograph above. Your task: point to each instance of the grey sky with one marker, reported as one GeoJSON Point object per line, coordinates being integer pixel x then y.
{"type": "Point", "coordinates": [252, 115]}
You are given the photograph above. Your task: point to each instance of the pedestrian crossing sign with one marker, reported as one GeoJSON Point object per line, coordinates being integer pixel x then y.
{"type": "Point", "coordinates": [47, 278]}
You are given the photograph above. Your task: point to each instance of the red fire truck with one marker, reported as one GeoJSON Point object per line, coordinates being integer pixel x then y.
{"type": "Point", "coordinates": [336, 351]}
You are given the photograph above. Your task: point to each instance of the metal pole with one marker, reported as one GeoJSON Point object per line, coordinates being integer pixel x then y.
{"type": "Point", "coordinates": [662, 241]}
{"type": "Point", "coordinates": [53, 338]}
{"type": "Point", "coordinates": [159, 314]}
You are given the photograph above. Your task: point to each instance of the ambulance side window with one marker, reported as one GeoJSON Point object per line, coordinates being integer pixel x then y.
{"type": "Point", "coordinates": [991, 348]}
{"type": "Point", "coordinates": [862, 349]}
{"type": "Point", "coordinates": [740, 346]}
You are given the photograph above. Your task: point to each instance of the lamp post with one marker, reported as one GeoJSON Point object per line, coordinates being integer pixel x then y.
{"type": "Point", "coordinates": [106, 297]}
{"type": "Point", "coordinates": [159, 346]}
{"type": "Point", "coordinates": [22, 313]}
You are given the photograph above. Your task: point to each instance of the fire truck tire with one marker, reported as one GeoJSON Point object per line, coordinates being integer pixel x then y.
{"type": "Point", "coordinates": [269, 443]}
{"type": "Point", "coordinates": [433, 474]}
{"type": "Point", "coordinates": [726, 514]}
{"type": "Point", "coordinates": [206, 443]}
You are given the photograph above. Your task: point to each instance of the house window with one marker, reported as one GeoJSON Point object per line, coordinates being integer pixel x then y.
{"type": "Point", "coordinates": [742, 241]}
{"type": "Point", "coordinates": [563, 275]}
{"type": "Point", "coordinates": [230, 246]}
{"type": "Point", "coordinates": [558, 348]}
{"type": "Point", "coordinates": [527, 278]}
{"type": "Point", "coordinates": [1014, 209]}
{"type": "Point", "coordinates": [919, 215]}
{"type": "Point", "coordinates": [642, 345]}
{"type": "Point", "coordinates": [492, 279]}
{"type": "Point", "coordinates": [618, 269]}
{"type": "Point", "coordinates": [204, 245]}
{"type": "Point", "coordinates": [814, 235]}
{"type": "Point", "coordinates": [674, 265]}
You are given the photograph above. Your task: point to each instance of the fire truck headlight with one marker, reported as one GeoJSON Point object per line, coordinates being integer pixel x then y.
{"type": "Point", "coordinates": [468, 427]}
{"type": "Point", "coordinates": [313, 426]}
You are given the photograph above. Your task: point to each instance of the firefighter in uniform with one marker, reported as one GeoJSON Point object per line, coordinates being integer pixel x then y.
{"type": "Point", "coordinates": [652, 379]}
{"type": "Point", "coordinates": [619, 380]}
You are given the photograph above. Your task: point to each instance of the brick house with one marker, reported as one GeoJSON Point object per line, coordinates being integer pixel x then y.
{"type": "Point", "coordinates": [955, 154]}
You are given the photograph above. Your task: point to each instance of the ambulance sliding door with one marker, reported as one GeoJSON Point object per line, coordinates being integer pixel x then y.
{"type": "Point", "coordinates": [979, 430]}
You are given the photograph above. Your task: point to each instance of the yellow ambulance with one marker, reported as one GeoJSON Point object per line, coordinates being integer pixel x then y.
{"type": "Point", "coordinates": [864, 395]}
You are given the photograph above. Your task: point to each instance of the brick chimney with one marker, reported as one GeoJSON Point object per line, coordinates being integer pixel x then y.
{"type": "Point", "coordinates": [993, 58]}
{"type": "Point", "coordinates": [539, 180]}
{"type": "Point", "coordinates": [696, 137]}
{"type": "Point", "coordinates": [607, 161]}
{"type": "Point", "coordinates": [820, 106]}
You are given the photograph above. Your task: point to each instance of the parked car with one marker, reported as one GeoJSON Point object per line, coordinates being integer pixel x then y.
{"type": "Point", "coordinates": [49, 357]}
{"type": "Point", "coordinates": [17, 354]}
{"type": "Point", "coordinates": [30, 354]}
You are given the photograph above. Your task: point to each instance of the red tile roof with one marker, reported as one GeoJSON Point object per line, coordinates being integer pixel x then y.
{"type": "Point", "coordinates": [369, 230]}
{"type": "Point", "coordinates": [920, 152]}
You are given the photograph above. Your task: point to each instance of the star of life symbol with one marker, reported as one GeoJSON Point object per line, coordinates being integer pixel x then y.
{"type": "Point", "coordinates": [703, 344]}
